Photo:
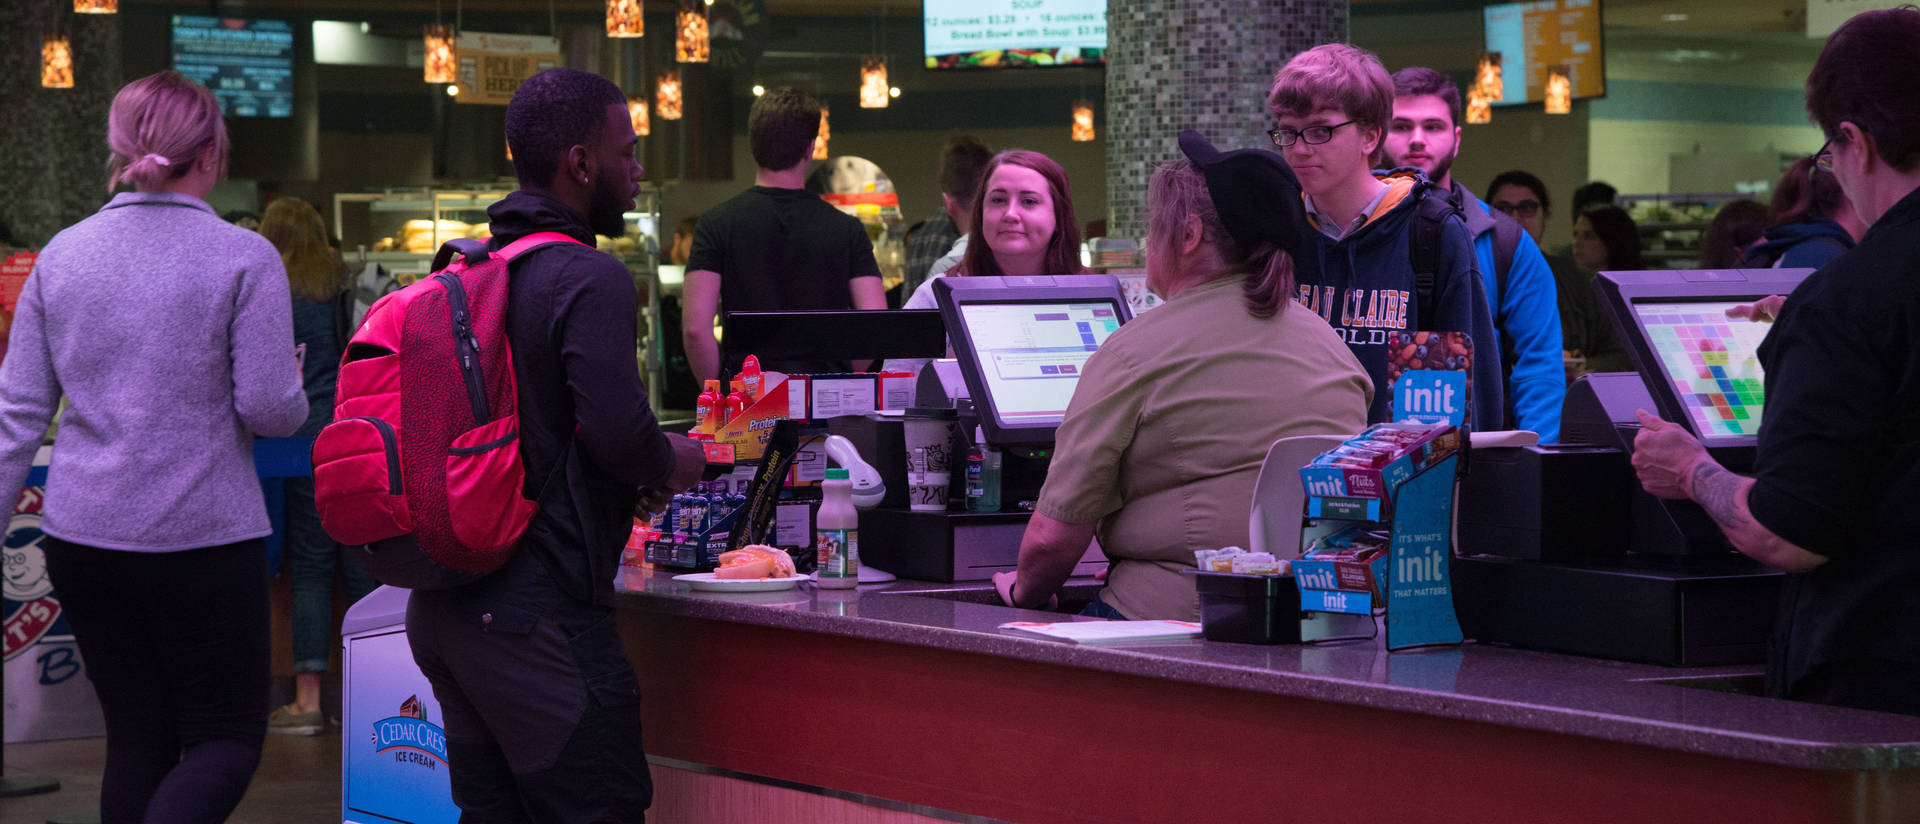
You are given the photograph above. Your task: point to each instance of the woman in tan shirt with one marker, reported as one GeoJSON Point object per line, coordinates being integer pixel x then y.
{"type": "Point", "coordinates": [1160, 446]}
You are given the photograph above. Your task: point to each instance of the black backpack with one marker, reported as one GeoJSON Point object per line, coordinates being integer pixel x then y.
{"type": "Point", "coordinates": [1430, 214]}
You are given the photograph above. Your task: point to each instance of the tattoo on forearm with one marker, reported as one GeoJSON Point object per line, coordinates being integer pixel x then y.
{"type": "Point", "coordinates": [1715, 488]}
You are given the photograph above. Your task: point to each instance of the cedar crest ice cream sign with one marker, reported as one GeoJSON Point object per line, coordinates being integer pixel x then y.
{"type": "Point", "coordinates": [410, 737]}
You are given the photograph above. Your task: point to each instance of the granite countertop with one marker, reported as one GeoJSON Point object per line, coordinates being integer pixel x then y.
{"type": "Point", "coordinates": [1607, 700]}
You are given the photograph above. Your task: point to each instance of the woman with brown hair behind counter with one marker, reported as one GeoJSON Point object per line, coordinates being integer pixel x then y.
{"type": "Point", "coordinates": [1160, 446]}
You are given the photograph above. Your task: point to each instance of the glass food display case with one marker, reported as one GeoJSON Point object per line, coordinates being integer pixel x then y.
{"type": "Point", "coordinates": [388, 238]}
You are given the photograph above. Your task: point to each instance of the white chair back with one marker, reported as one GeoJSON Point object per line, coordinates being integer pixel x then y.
{"type": "Point", "coordinates": [1278, 497]}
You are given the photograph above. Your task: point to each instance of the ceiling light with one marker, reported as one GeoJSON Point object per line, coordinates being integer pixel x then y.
{"type": "Point", "coordinates": [1673, 18]}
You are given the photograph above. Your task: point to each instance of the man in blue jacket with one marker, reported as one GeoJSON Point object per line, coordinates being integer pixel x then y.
{"type": "Point", "coordinates": [1425, 134]}
{"type": "Point", "coordinates": [1333, 103]}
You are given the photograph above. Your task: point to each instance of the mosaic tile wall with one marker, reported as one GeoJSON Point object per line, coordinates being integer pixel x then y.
{"type": "Point", "coordinates": [53, 142]}
{"type": "Point", "coordinates": [1198, 64]}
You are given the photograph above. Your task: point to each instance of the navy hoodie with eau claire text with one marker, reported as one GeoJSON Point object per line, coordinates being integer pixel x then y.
{"type": "Point", "coordinates": [1363, 286]}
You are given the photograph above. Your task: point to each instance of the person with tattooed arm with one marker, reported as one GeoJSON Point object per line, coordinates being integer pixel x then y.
{"type": "Point", "coordinates": [1837, 465]}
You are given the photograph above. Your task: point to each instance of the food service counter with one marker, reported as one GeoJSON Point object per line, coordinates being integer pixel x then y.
{"type": "Point", "coordinates": [905, 696]}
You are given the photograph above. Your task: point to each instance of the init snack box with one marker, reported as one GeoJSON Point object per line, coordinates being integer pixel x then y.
{"type": "Point", "coordinates": [1372, 463]}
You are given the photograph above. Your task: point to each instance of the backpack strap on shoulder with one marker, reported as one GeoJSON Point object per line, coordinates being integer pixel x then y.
{"type": "Point", "coordinates": [1430, 214]}
{"type": "Point", "coordinates": [1506, 243]}
{"type": "Point", "coordinates": [533, 241]}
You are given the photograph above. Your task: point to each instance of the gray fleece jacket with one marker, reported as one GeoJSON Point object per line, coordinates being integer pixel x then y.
{"type": "Point", "coordinates": [170, 331]}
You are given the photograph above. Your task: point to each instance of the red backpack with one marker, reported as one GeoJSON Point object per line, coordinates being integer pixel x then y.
{"type": "Point", "coordinates": [420, 468]}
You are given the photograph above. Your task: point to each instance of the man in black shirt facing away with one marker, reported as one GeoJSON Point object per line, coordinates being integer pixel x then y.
{"type": "Point", "coordinates": [1838, 464]}
{"type": "Point", "coordinates": [540, 705]}
{"type": "Point", "coordinates": [776, 246]}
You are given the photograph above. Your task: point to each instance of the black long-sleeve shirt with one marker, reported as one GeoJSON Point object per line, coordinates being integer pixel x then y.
{"type": "Point", "coordinates": [1838, 465]}
{"type": "Point", "coordinates": [571, 320]}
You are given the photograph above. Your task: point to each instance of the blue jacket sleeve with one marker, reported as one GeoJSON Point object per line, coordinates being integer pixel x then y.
{"type": "Point", "coordinates": [1463, 307]}
{"type": "Point", "coordinates": [1530, 313]}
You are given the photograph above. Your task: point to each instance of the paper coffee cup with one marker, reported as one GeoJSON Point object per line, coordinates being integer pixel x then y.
{"type": "Point", "coordinates": [929, 447]}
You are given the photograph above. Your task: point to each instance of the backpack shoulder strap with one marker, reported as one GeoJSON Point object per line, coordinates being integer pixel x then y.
{"type": "Point", "coordinates": [1430, 214]}
{"type": "Point", "coordinates": [533, 241]}
{"type": "Point", "coordinates": [1506, 242]}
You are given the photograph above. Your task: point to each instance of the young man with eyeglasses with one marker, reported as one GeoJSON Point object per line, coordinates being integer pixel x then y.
{"type": "Point", "coordinates": [1425, 134]}
{"type": "Point", "coordinates": [1588, 341]}
{"type": "Point", "coordinates": [1837, 468]}
{"type": "Point", "coordinates": [1357, 270]}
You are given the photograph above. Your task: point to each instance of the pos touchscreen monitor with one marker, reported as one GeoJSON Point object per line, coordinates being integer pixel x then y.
{"type": "Point", "coordinates": [1021, 343]}
{"type": "Point", "coordinates": [1701, 366]}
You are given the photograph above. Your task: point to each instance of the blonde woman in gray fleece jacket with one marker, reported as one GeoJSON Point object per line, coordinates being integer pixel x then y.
{"type": "Point", "coordinates": [170, 333]}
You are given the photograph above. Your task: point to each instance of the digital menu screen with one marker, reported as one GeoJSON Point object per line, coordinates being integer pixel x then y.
{"type": "Point", "coordinates": [1534, 37]}
{"type": "Point", "coordinates": [996, 34]}
{"type": "Point", "coordinates": [247, 64]}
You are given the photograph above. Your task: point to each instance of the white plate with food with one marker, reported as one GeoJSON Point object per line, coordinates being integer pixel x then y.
{"type": "Point", "coordinates": [754, 568]}
{"type": "Point", "coordinates": [707, 582]}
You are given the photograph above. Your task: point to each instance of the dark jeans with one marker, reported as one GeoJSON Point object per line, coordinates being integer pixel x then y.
{"type": "Point", "coordinates": [176, 646]}
{"type": "Point", "coordinates": [1099, 609]}
{"type": "Point", "coordinates": [541, 708]}
{"type": "Point", "coordinates": [312, 558]}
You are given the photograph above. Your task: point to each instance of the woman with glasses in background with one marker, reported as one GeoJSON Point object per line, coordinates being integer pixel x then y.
{"type": "Point", "coordinates": [1588, 340]}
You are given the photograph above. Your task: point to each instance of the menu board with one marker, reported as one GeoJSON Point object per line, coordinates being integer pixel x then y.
{"type": "Point", "coordinates": [248, 64]}
{"type": "Point", "coordinates": [970, 34]}
{"type": "Point", "coordinates": [1534, 37]}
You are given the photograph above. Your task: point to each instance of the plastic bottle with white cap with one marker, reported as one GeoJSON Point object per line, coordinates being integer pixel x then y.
{"type": "Point", "coordinates": [836, 532]}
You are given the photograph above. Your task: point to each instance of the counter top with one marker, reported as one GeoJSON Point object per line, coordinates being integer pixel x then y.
{"type": "Point", "coordinates": [1607, 700]}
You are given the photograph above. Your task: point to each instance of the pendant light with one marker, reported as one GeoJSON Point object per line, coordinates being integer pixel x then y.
{"type": "Point", "coordinates": [96, 6]}
{"type": "Point", "coordinates": [1559, 95]}
{"type": "Point", "coordinates": [873, 83]}
{"type": "Point", "coordinates": [1479, 107]}
{"type": "Point", "coordinates": [1082, 121]}
{"type": "Point", "coordinates": [624, 20]}
{"type": "Point", "coordinates": [56, 62]}
{"type": "Point", "coordinates": [820, 143]}
{"type": "Point", "coordinates": [637, 112]}
{"type": "Point", "coordinates": [691, 42]}
{"type": "Point", "coordinates": [1487, 76]}
{"type": "Point", "coordinates": [667, 95]}
{"type": "Point", "coordinates": [440, 63]}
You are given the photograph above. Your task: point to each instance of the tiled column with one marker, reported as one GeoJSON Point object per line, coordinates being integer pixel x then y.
{"type": "Point", "coordinates": [53, 142]}
{"type": "Point", "coordinates": [1195, 64]}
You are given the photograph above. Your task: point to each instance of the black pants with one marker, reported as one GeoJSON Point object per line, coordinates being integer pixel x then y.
{"type": "Point", "coordinates": [542, 711]}
{"type": "Point", "coordinates": [176, 646]}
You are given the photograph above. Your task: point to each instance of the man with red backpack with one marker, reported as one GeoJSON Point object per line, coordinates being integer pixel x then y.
{"type": "Point", "coordinates": [541, 708]}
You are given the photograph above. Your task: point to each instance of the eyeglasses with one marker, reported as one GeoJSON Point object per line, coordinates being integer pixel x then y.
{"type": "Point", "coordinates": [1314, 135]}
{"type": "Point", "coordinates": [1525, 208]}
{"type": "Point", "coordinates": [1823, 159]}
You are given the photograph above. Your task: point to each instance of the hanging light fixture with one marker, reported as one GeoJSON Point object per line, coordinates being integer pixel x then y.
{"type": "Point", "coordinates": [1082, 121]}
{"type": "Point", "coordinates": [96, 6]}
{"type": "Point", "coordinates": [624, 20]}
{"type": "Point", "coordinates": [1559, 96]}
{"type": "Point", "coordinates": [1479, 108]}
{"type": "Point", "coordinates": [873, 83]}
{"type": "Point", "coordinates": [690, 36]}
{"type": "Point", "coordinates": [637, 112]}
{"type": "Point", "coordinates": [56, 62]}
{"type": "Point", "coordinates": [667, 95]}
{"type": "Point", "coordinates": [1487, 76]}
{"type": "Point", "coordinates": [820, 143]}
{"type": "Point", "coordinates": [440, 65]}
